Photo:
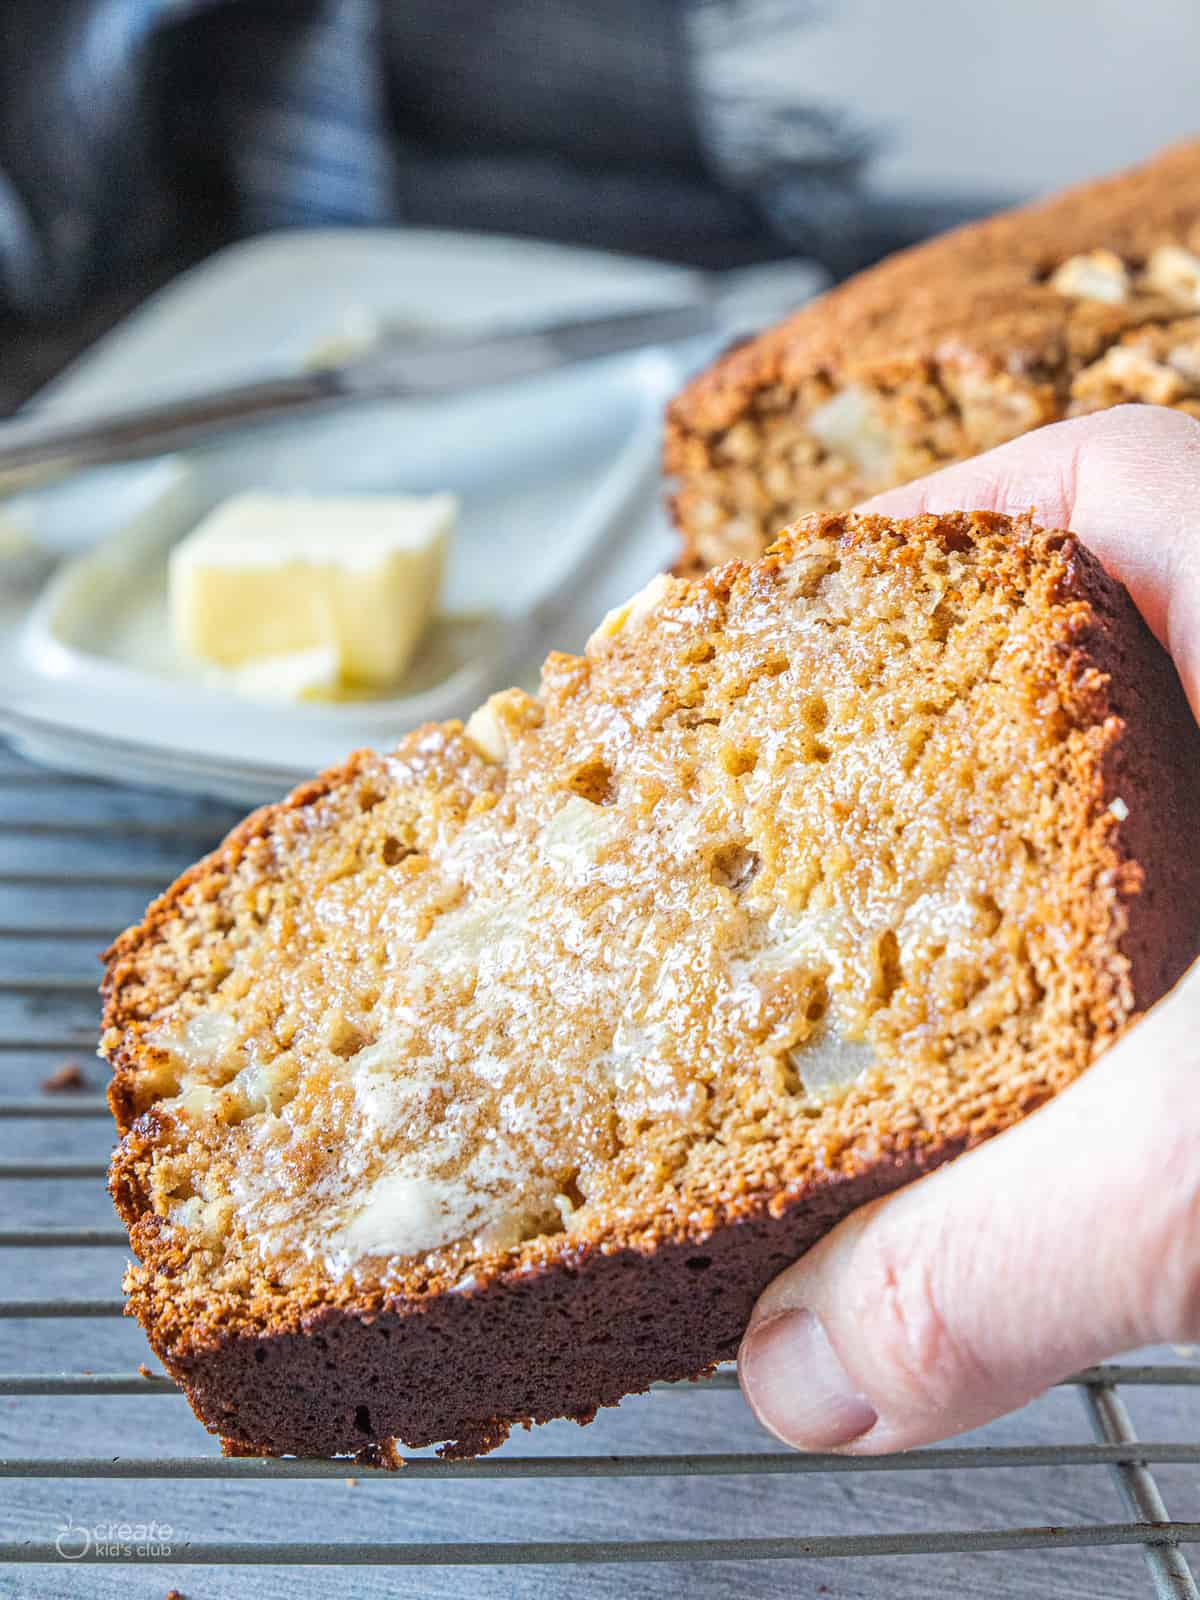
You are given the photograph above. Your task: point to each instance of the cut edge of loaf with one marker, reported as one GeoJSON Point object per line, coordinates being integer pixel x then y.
{"type": "Point", "coordinates": [1079, 302]}
{"type": "Point", "coordinates": [667, 1299]}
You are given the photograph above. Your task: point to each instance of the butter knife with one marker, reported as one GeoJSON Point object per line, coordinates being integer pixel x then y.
{"type": "Point", "coordinates": [393, 368]}
{"type": "Point", "coordinates": [399, 366]}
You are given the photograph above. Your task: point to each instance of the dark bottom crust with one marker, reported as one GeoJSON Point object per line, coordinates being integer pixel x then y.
{"type": "Point", "coordinates": [557, 1343]}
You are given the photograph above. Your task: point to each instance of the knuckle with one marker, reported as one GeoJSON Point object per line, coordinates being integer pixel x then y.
{"type": "Point", "coordinates": [924, 1355]}
{"type": "Point", "coordinates": [1137, 421]}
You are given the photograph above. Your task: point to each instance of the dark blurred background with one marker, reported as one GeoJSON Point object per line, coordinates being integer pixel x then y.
{"type": "Point", "coordinates": [138, 135]}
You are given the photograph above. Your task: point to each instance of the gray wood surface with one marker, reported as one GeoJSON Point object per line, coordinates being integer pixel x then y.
{"type": "Point", "coordinates": [64, 831]}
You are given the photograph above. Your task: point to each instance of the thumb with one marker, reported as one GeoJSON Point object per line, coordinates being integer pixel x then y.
{"type": "Point", "coordinates": [1068, 1239]}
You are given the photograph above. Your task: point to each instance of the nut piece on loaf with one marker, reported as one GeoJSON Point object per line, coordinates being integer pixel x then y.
{"type": "Point", "coordinates": [491, 1080]}
{"type": "Point", "coordinates": [1081, 302]}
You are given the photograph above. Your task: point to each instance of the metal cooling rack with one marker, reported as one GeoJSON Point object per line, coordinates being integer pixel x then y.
{"type": "Point", "coordinates": [77, 860]}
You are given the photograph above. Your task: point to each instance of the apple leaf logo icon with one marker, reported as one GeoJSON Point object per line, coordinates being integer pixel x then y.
{"type": "Point", "coordinates": [72, 1539]}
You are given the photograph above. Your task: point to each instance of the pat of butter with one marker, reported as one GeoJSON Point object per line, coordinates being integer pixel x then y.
{"type": "Point", "coordinates": [274, 575]}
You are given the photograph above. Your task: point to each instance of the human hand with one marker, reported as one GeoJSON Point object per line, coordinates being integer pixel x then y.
{"type": "Point", "coordinates": [1077, 1234]}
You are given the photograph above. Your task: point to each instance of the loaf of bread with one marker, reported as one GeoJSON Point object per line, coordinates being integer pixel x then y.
{"type": "Point", "coordinates": [1079, 303]}
{"type": "Point", "coordinates": [492, 1079]}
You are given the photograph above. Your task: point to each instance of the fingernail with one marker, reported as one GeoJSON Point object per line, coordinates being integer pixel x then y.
{"type": "Point", "coordinates": [797, 1387]}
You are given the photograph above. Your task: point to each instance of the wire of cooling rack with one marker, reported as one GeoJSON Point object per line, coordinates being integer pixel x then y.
{"type": "Point", "coordinates": [59, 836]}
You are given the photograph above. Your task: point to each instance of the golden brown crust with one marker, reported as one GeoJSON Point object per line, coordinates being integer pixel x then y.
{"type": "Point", "coordinates": [953, 346]}
{"type": "Point", "coordinates": [1109, 785]}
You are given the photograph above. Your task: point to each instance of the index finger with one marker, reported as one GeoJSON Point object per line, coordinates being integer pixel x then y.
{"type": "Point", "coordinates": [1126, 481]}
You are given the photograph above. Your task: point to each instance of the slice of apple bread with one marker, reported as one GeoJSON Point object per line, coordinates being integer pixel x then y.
{"type": "Point", "coordinates": [492, 1079]}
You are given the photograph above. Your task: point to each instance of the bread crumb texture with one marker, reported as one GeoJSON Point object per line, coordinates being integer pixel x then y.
{"type": "Point", "coordinates": [1082, 302]}
{"type": "Point", "coordinates": [802, 868]}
